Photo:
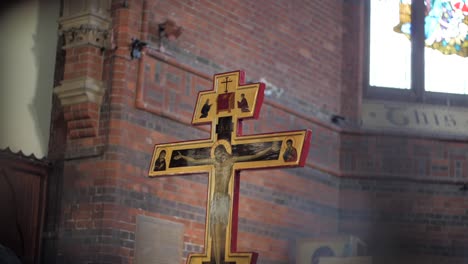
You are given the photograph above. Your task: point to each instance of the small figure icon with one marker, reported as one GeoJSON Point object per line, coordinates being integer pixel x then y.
{"type": "Point", "coordinates": [290, 154]}
{"type": "Point", "coordinates": [242, 104]}
{"type": "Point", "coordinates": [205, 109]}
{"type": "Point", "coordinates": [160, 163]}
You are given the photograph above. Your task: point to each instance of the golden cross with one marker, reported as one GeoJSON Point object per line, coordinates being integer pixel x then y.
{"type": "Point", "coordinates": [223, 155]}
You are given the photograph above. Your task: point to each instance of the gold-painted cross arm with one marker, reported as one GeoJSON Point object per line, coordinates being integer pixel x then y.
{"type": "Point", "coordinates": [181, 158]}
{"type": "Point", "coordinates": [287, 149]}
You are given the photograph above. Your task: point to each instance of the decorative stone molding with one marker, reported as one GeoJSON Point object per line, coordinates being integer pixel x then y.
{"type": "Point", "coordinates": [85, 22]}
{"type": "Point", "coordinates": [80, 90]}
{"type": "Point", "coordinates": [86, 34]}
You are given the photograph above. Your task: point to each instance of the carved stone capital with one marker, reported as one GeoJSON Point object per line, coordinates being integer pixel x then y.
{"type": "Point", "coordinates": [80, 90]}
{"type": "Point", "coordinates": [86, 34]}
{"type": "Point", "coordinates": [85, 23]}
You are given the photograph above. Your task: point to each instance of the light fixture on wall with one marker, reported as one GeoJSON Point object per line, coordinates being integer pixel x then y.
{"type": "Point", "coordinates": [464, 187]}
{"type": "Point", "coordinates": [336, 119]}
{"type": "Point", "coordinates": [137, 45]}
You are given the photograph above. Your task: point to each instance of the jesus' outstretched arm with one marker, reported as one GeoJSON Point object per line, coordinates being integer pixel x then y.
{"type": "Point", "coordinates": [192, 160]}
{"type": "Point", "coordinates": [274, 147]}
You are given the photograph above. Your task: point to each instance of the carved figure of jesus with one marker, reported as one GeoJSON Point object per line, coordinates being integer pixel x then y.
{"type": "Point", "coordinates": [223, 163]}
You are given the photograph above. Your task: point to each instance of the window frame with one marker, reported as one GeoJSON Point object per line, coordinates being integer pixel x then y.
{"type": "Point", "coordinates": [416, 93]}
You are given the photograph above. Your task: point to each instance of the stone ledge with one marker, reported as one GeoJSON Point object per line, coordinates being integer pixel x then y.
{"type": "Point", "coordinates": [80, 90]}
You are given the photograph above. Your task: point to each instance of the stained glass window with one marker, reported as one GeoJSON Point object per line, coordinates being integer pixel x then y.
{"type": "Point", "coordinates": [445, 29]}
{"type": "Point", "coordinates": [390, 52]}
{"type": "Point", "coordinates": [446, 52]}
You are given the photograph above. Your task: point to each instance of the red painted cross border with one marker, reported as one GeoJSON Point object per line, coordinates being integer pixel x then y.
{"type": "Point", "coordinates": [224, 155]}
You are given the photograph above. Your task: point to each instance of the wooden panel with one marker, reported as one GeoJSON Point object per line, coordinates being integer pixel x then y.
{"type": "Point", "coordinates": [22, 195]}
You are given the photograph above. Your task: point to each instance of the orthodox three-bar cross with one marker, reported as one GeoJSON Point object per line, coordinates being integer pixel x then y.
{"type": "Point", "coordinates": [223, 155]}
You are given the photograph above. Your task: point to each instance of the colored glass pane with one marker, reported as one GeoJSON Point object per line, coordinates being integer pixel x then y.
{"type": "Point", "coordinates": [446, 53]}
{"type": "Point", "coordinates": [446, 40]}
{"type": "Point", "coordinates": [390, 52]}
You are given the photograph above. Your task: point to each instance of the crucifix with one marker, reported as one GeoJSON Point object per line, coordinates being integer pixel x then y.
{"type": "Point", "coordinates": [224, 155]}
{"type": "Point", "coordinates": [226, 82]}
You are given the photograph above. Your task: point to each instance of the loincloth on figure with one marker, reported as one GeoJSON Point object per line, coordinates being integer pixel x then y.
{"type": "Point", "coordinates": [219, 209]}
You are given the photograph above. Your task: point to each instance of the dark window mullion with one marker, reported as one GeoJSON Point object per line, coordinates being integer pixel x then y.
{"type": "Point", "coordinates": [417, 48]}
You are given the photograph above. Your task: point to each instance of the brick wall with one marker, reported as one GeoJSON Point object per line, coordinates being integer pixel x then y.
{"type": "Point", "coordinates": [104, 183]}
{"type": "Point", "coordinates": [400, 193]}
{"type": "Point", "coordinates": [383, 188]}
{"type": "Point", "coordinates": [294, 45]}
{"type": "Point", "coordinates": [406, 195]}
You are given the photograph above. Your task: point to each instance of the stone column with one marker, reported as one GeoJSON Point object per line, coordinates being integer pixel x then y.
{"type": "Point", "coordinates": [85, 25]}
